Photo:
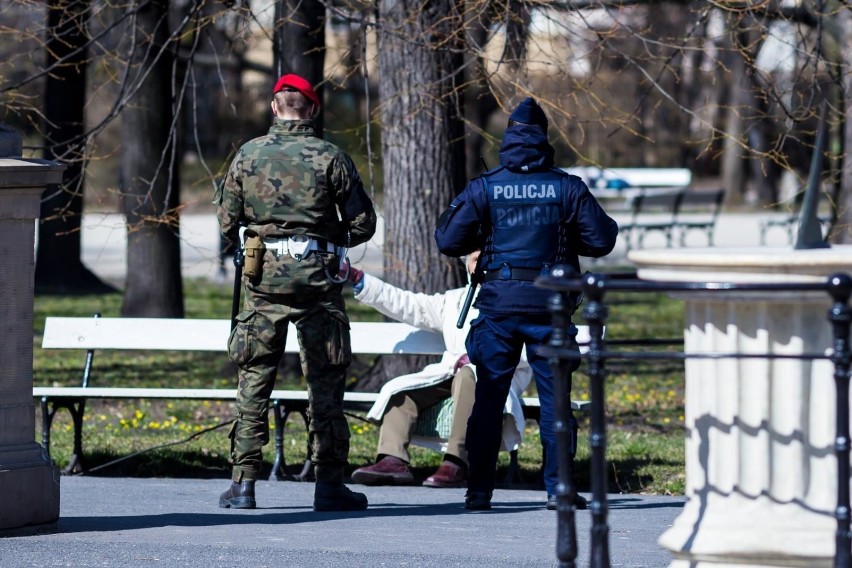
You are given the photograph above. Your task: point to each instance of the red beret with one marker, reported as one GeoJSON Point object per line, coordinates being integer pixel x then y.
{"type": "Point", "coordinates": [298, 83]}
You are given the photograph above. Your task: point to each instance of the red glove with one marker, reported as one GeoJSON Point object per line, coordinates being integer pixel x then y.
{"type": "Point", "coordinates": [355, 275]}
{"type": "Point", "coordinates": [463, 360]}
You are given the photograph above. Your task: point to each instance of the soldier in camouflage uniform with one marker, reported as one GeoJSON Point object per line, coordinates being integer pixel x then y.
{"type": "Point", "coordinates": [290, 183]}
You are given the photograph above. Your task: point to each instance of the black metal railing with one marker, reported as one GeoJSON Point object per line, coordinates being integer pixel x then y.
{"type": "Point", "coordinates": [563, 353]}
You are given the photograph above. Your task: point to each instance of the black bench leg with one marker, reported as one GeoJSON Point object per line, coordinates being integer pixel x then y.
{"type": "Point", "coordinates": [513, 474]}
{"type": "Point", "coordinates": [279, 472]}
{"type": "Point", "coordinates": [76, 461]}
{"type": "Point", "coordinates": [76, 408]}
{"type": "Point", "coordinates": [307, 473]}
{"type": "Point", "coordinates": [282, 411]}
{"type": "Point", "coordinates": [47, 414]}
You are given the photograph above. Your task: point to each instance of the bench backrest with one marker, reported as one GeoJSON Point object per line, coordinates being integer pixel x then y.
{"type": "Point", "coordinates": [380, 338]}
{"type": "Point", "coordinates": [647, 201]}
{"type": "Point", "coordinates": [701, 201]}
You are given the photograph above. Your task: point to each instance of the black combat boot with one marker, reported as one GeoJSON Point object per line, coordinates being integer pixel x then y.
{"type": "Point", "coordinates": [239, 495]}
{"type": "Point", "coordinates": [580, 502]}
{"type": "Point", "coordinates": [477, 500]}
{"type": "Point", "coordinates": [330, 494]}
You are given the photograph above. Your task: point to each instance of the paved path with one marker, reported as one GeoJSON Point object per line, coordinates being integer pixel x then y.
{"type": "Point", "coordinates": [104, 242]}
{"type": "Point", "coordinates": [130, 523]}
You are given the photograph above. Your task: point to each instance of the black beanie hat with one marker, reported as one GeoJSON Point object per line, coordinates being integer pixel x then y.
{"type": "Point", "coordinates": [528, 112]}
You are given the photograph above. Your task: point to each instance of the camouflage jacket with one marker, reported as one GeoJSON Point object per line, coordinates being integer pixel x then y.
{"type": "Point", "coordinates": [290, 182]}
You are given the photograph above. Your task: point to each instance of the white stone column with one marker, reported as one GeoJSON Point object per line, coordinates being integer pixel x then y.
{"type": "Point", "coordinates": [761, 474]}
{"type": "Point", "coordinates": [29, 480]}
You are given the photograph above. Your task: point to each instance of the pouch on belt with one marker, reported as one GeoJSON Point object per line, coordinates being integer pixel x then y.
{"type": "Point", "coordinates": [254, 249]}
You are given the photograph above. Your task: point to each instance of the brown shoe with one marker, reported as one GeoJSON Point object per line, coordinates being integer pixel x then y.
{"type": "Point", "coordinates": [387, 471]}
{"type": "Point", "coordinates": [448, 475]}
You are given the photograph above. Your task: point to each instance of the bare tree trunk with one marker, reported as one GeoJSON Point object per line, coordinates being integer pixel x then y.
{"type": "Point", "coordinates": [734, 172]}
{"type": "Point", "coordinates": [480, 102]}
{"type": "Point", "coordinates": [59, 268]}
{"type": "Point", "coordinates": [422, 139]}
{"type": "Point", "coordinates": [842, 232]}
{"type": "Point", "coordinates": [422, 147]}
{"type": "Point", "coordinates": [668, 124]}
{"type": "Point", "coordinates": [149, 175]}
{"type": "Point", "coordinates": [690, 94]}
{"type": "Point", "coordinates": [299, 44]}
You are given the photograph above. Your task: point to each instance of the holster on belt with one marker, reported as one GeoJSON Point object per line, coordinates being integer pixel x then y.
{"type": "Point", "coordinates": [253, 248]}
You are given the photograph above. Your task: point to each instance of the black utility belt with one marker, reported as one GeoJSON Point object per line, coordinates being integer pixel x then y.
{"type": "Point", "coordinates": [523, 274]}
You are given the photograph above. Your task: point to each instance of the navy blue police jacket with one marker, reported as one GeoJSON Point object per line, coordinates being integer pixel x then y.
{"type": "Point", "coordinates": [525, 216]}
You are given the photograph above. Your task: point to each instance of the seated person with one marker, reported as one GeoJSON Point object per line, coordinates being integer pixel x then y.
{"type": "Point", "coordinates": [403, 398]}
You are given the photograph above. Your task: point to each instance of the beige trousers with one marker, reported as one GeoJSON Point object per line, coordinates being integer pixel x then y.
{"type": "Point", "coordinates": [404, 407]}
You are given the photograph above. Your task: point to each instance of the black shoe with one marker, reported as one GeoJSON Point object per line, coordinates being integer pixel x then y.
{"type": "Point", "coordinates": [580, 503]}
{"type": "Point", "coordinates": [477, 500]}
{"type": "Point", "coordinates": [239, 496]}
{"type": "Point", "coordinates": [337, 497]}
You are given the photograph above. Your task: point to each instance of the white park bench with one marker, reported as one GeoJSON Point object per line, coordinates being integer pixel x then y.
{"type": "Point", "coordinates": [162, 334]}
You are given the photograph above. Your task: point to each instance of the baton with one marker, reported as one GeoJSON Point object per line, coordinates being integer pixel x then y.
{"type": "Point", "coordinates": [468, 300]}
{"type": "Point", "coordinates": [475, 279]}
{"type": "Point", "coordinates": [239, 261]}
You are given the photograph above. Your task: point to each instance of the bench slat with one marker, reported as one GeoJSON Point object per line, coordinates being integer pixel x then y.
{"type": "Point", "coordinates": [178, 394]}
{"type": "Point", "coordinates": [217, 394]}
{"type": "Point", "coordinates": [164, 334]}
{"type": "Point", "coordinates": [533, 402]}
{"type": "Point", "coordinates": [380, 338]}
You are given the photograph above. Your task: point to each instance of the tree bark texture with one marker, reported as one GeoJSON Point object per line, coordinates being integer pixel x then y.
{"type": "Point", "coordinates": [299, 44]}
{"type": "Point", "coordinates": [842, 233]}
{"type": "Point", "coordinates": [480, 102]}
{"type": "Point", "coordinates": [149, 174]}
{"type": "Point", "coordinates": [734, 166]}
{"type": "Point", "coordinates": [422, 139]}
{"type": "Point", "coordinates": [59, 268]}
{"type": "Point", "coordinates": [422, 151]}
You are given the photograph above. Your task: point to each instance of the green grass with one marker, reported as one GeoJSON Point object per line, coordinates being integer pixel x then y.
{"type": "Point", "coordinates": [644, 402]}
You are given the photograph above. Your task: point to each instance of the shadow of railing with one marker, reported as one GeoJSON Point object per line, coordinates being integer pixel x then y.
{"type": "Point", "coordinates": [563, 353]}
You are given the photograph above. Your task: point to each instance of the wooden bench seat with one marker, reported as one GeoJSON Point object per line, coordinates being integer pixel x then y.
{"type": "Point", "coordinates": [143, 334]}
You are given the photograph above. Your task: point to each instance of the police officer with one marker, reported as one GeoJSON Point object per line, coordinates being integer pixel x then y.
{"type": "Point", "coordinates": [302, 198]}
{"type": "Point", "coordinates": [526, 216]}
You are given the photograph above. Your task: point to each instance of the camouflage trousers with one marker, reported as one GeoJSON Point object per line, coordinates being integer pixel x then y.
{"type": "Point", "coordinates": [256, 345]}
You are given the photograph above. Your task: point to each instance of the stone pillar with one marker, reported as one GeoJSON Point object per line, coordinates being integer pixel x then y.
{"type": "Point", "coordinates": [761, 473]}
{"type": "Point", "coordinates": [29, 480]}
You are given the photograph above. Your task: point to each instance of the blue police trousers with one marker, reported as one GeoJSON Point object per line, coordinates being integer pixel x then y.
{"type": "Point", "coordinates": [494, 345]}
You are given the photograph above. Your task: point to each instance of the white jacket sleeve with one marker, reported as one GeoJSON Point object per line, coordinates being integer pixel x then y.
{"type": "Point", "coordinates": [425, 311]}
